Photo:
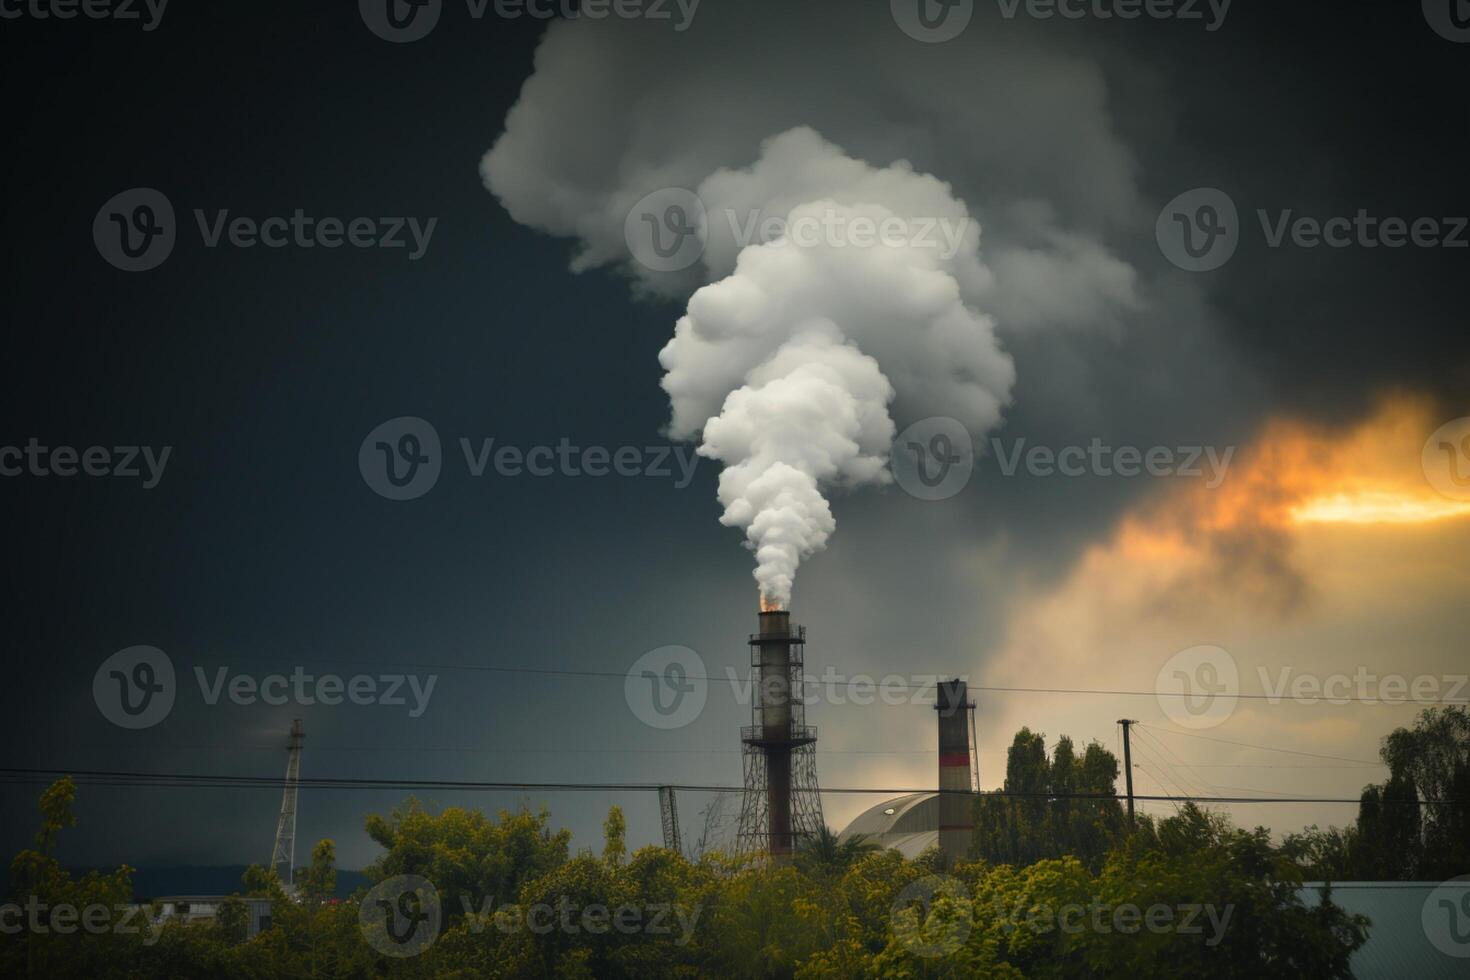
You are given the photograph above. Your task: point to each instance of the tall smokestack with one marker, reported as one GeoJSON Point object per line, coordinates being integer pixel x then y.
{"type": "Point", "coordinates": [956, 813]}
{"type": "Point", "coordinates": [781, 804]}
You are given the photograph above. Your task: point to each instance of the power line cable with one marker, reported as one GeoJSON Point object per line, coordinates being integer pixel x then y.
{"type": "Point", "coordinates": [1249, 745]}
{"type": "Point", "coordinates": [189, 780]}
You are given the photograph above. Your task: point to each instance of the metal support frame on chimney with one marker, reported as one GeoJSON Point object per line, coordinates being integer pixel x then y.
{"type": "Point", "coordinates": [781, 805]}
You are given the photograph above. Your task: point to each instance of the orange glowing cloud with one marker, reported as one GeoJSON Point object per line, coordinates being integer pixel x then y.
{"type": "Point", "coordinates": [1321, 551]}
{"type": "Point", "coordinates": [1294, 474]}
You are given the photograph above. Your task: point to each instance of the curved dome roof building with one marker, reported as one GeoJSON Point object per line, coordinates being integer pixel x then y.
{"type": "Point", "coordinates": [918, 821]}
{"type": "Point", "coordinates": [909, 824]}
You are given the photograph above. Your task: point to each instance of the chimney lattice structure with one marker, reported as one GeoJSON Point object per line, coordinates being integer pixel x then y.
{"type": "Point", "coordinates": [781, 805]}
{"type": "Point", "coordinates": [284, 852]}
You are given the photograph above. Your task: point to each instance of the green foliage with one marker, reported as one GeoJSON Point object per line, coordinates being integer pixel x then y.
{"type": "Point", "coordinates": [468, 856]}
{"type": "Point", "coordinates": [259, 881]}
{"type": "Point", "coordinates": [1397, 836]}
{"type": "Point", "coordinates": [320, 879]}
{"type": "Point", "coordinates": [824, 854]}
{"type": "Point", "coordinates": [1046, 819]}
{"type": "Point", "coordinates": [1190, 895]}
{"type": "Point", "coordinates": [615, 836]}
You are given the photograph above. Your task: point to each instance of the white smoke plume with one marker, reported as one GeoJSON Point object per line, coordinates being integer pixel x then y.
{"type": "Point", "coordinates": [796, 352]}
{"type": "Point", "coordinates": [787, 365]}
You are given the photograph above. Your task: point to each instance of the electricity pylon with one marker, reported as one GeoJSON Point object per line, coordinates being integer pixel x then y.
{"type": "Point", "coordinates": [284, 852]}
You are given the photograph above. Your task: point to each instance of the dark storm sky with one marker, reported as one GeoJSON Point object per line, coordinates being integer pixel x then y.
{"type": "Point", "coordinates": [262, 548]}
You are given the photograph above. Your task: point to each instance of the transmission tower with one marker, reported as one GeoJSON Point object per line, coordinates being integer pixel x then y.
{"type": "Point", "coordinates": [668, 811]}
{"type": "Point", "coordinates": [284, 852]}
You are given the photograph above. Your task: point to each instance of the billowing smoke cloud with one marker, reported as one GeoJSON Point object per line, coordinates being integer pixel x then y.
{"type": "Point", "coordinates": [838, 286]}
{"type": "Point", "coordinates": [788, 364]}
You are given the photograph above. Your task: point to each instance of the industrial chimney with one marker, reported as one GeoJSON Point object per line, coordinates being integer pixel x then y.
{"type": "Point", "coordinates": [781, 803]}
{"type": "Point", "coordinates": [956, 782]}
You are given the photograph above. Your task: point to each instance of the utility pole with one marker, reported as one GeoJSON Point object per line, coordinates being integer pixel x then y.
{"type": "Point", "coordinates": [284, 852]}
{"type": "Point", "coordinates": [1128, 767]}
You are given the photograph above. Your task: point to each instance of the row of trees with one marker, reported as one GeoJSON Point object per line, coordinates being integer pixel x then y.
{"type": "Point", "coordinates": [1415, 826]}
{"type": "Point", "coordinates": [840, 909]}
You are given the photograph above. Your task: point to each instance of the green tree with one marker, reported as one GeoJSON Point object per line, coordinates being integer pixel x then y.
{"type": "Point", "coordinates": [615, 836]}
{"type": "Point", "coordinates": [1044, 810]}
{"type": "Point", "coordinates": [473, 860]}
{"type": "Point", "coordinates": [824, 853]}
{"type": "Point", "coordinates": [318, 883]}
